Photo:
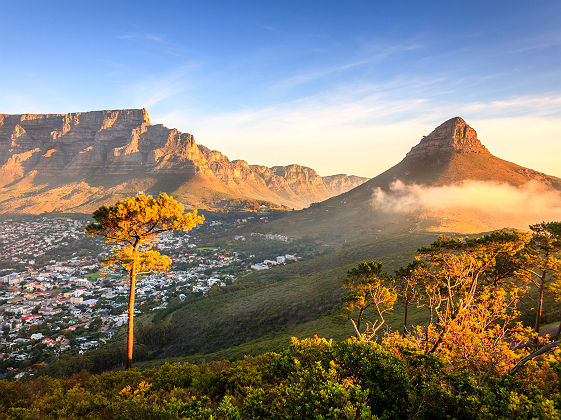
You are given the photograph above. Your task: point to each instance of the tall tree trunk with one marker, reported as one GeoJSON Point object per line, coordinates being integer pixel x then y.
{"type": "Point", "coordinates": [540, 303]}
{"type": "Point", "coordinates": [406, 304]}
{"type": "Point", "coordinates": [359, 320]}
{"type": "Point", "coordinates": [132, 284]}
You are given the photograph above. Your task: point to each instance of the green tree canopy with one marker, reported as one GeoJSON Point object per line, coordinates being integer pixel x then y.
{"type": "Point", "coordinates": [132, 225]}
{"type": "Point", "coordinates": [368, 286]}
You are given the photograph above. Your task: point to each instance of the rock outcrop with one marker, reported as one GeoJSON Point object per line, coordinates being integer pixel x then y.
{"type": "Point", "coordinates": [103, 154]}
{"type": "Point", "coordinates": [453, 136]}
{"type": "Point", "coordinates": [453, 153]}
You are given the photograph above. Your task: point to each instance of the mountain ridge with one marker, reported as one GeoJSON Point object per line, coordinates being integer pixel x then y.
{"type": "Point", "coordinates": [93, 157]}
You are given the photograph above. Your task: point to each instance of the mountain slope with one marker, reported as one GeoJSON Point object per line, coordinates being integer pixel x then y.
{"type": "Point", "coordinates": [77, 161]}
{"type": "Point", "coordinates": [452, 153]}
{"type": "Point", "coordinates": [450, 156]}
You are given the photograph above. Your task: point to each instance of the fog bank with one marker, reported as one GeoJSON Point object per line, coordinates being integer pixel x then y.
{"type": "Point", "coordinates": [531, 200]}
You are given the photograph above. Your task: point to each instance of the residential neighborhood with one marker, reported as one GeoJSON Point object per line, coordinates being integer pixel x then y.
{"type": "Point", "coordinates": [76, 303]}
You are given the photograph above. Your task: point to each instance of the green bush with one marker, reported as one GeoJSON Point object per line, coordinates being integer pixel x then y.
{"type": "Point", "coordinates": [314, 378]}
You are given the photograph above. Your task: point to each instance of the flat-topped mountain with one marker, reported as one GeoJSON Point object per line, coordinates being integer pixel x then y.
{"type": "Point", "coordinates": [448, 182]}
{"type": "Point", "coordinates": [76, 161]}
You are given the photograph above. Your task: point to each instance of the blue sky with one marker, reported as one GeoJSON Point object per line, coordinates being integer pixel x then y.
{"type": "Point", "coordinates": [339, 86]}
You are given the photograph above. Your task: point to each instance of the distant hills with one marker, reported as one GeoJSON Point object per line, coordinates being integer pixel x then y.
{"type": "Point", "coordinates": [75, 162]}
{"type": "Point", "coordinates": [448, 182]}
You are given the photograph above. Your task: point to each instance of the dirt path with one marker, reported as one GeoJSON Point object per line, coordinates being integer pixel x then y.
{"type": "Point", "coordinates": [550, 329]}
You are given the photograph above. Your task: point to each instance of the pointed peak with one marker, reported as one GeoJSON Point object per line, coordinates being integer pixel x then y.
{"type": "Point", "coordinates": [453, 122]}
{"type": "Point", "coordinates": [454, 135]}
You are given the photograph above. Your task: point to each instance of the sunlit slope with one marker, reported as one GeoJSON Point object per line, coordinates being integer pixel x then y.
{"type": "Point", "coordinates": [73, 162]}
{"type": "Point", "coordinates": [451, 155]}
{"type": "Point", "coordinates": [301, 299]}
{"type": "Point", "coordinates": [36, 194]}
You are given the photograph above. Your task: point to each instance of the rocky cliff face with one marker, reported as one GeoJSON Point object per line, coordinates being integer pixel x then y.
{"type": "Point", "coordinates": [116, 152]}
{"type": "Point", "coordinates": [341, 182]}
{"type": "Point", "coordinates": [293, 185]}
{"type": "Point", "coordinates": [82, 144]}
{"type": "Point", "coordinates": [452, 136]}
{"type": "Point", "coordinates": [452, 153]}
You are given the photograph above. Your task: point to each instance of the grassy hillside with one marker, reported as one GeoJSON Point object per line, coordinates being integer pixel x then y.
{"type": "Point", "coordinates": [272, 305]}
{"type": "Point", "coordinates": [334, 325]}
{"type": "Point", "coordinates": [263, 310]}
{"type": "Point", "coordinates": [300, 300]}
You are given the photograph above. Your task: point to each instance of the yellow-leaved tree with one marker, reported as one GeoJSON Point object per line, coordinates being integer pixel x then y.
{"type": "Point", "coordinates": [132, 225]}
{"type": "Point", "coordinates": [368, 287]}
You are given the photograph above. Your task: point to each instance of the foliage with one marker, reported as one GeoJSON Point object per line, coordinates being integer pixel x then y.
{"type": "Point", "coordinates": [484, 340]}
{"type": "Point", "coordinates": [470, 288]}
{"type": "Point", "coordinates": [541, 262]}
{"type": "Point", "coordinates": [132, 225]}
{"type": "Point", "coordinates": [368, 287]}
{"type": "Point", "coordinates": [459, 279]}
{"type": "Point", "coordinates": [408, 289]}
{"type": "Point", "coordinates": [314, 378]}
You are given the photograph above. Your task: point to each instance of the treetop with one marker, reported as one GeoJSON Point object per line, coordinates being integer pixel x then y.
{"type": "Point", "coordinates": [141, 218]}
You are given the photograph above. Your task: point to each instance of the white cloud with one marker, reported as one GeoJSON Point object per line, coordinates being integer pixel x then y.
{"type": "Point", "coordinates": [153, 90]}
{"type": "Point", "coordinates": [144, 36]}
{"type": "Point", "coordinates": [530, 200]}
{"type": "Point", "coordinates": [375, 53]}
{"type": "Point", "coordinates": [529, 104]}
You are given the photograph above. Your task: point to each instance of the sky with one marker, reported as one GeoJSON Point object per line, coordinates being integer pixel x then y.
{"type": "Point", "coordinates": [342, 87]}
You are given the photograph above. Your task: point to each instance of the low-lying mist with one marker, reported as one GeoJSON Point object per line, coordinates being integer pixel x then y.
{"type": "Point", "coordinates": [532, 200]}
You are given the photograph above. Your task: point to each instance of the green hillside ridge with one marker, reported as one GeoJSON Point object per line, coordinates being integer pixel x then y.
{"type": "Point", "coordinates": [275, 299]}
{"type": "Point", "coordinates": [263, 310]}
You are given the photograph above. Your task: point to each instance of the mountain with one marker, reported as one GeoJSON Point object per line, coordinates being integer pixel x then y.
{"type": "Point", "coordinates": [452, 153]}
{"type": "Point", "coordinates": [304, 298]}
{"type": "Point", "coordinates": [448, 182]}
{"type": "Point", "coordinates": [78, 161]}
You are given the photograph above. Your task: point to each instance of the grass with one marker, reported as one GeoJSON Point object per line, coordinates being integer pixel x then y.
{"type": "Point", "coordinates": [333, 326]}
{"type": "Point", "coordinates": [278, 304]}
{"type": "Point", "coordinates": [330, 324]}
{"type": "Point", "coordinates": [300, 299]}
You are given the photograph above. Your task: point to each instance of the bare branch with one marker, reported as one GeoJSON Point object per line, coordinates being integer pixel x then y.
{"type": "Point", "coordinates": [545, 349]}
{"type": "Point", "coordinates": [357, 332]}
